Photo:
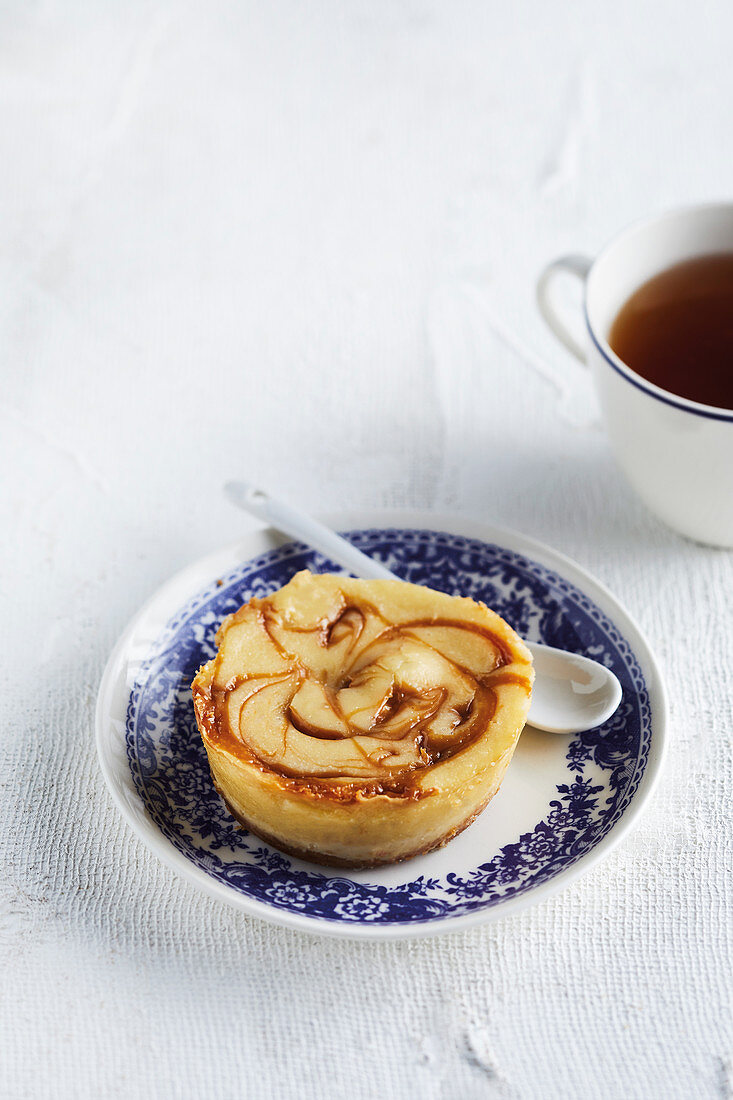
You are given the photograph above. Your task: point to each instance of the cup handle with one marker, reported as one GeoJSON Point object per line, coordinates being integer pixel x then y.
{"type": "Point", "coordinates": [575, 265]}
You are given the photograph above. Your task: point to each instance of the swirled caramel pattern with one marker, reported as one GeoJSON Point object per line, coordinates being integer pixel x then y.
{"type": "Point", "coordinates": [322, 684]}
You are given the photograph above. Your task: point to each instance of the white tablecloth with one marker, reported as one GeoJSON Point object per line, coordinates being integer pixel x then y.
{"type": "Point", "coordinates": [298, 242]}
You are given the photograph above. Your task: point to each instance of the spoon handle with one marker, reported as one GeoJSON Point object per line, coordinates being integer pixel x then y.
{"type": "Point", "coordinates": [301, 527]}
{"type": "Point", "coordinates": [289, 521]}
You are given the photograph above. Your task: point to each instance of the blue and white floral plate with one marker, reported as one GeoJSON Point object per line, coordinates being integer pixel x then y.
{"type": "Point", "coordinates": [563, 804]}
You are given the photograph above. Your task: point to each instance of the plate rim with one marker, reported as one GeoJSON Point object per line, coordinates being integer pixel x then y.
{"type": "Point", "coordinates": [451, 523]}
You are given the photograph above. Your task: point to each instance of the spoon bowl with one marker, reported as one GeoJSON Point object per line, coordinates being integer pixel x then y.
{"type": "Point", "coordinates": [571, 693]}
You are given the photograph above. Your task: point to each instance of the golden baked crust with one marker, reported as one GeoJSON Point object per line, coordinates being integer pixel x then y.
{"type": "Point", "coordinates": [361, 722]}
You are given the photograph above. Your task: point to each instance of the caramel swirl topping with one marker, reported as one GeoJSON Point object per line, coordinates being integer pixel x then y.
{"type": "Point", "coordinates": [318, 683]}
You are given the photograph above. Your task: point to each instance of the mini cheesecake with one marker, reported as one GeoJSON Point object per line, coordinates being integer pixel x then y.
{"type": "Point", "coordinates": [355, 723]}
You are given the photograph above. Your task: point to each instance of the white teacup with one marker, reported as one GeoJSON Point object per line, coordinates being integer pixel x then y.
{"type": "Point", "coordinates": [676, 453]}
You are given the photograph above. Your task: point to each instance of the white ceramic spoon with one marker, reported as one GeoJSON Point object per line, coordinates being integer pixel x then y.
{"type": "Point", "coordinates": [570, 693]}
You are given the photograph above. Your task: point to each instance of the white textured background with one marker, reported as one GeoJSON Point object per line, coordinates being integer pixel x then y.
{"type": "Point", "coordinates": [297, 242]}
